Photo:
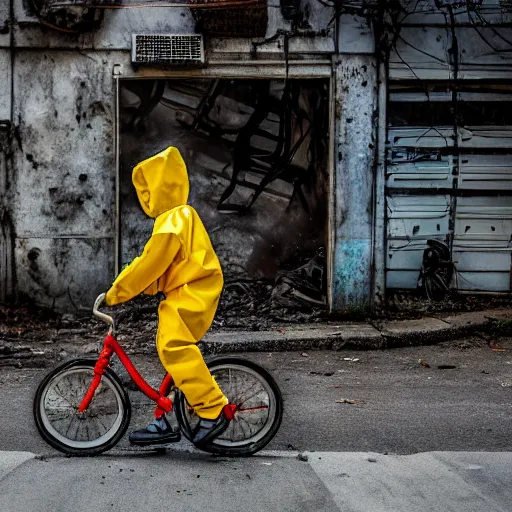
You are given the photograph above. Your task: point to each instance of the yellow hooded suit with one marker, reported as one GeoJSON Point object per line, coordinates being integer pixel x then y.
{"type": "Point", "coordinates": [179, 261]}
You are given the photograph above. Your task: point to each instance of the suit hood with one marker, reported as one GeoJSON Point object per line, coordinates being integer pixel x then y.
{"type": "Point", "coordinates": [161, 182]}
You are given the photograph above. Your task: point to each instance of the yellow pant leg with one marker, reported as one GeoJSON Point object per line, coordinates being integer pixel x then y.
{"type": "Point", "coordinates": [184, 361]}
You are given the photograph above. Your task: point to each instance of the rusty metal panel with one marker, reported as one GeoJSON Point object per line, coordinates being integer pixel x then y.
{"type": "Point", "coordinates": [482, 245]}
{"type": "Point", "coordinates": [484, 222]}
{"type": "Point", "coordinates": [489, 216]}
{"type": "Point", "coordinates": [471, 137]}
{"type": "Point", "coordinates": [402, 279]}
{"type": "Point", "coordinates": [412, 220]}
{"type": "Point", "coordinates": [485, 172]}
{"type": "Point", "coordinates": [480, 137]}
{"type": "Point", "coordinates": [411, 216]}
{"type": "Point", "coordinates": [465, 162]}
{"type": "Point", "coordinates": [421, 137]}
{"type": "Point", "coordinates": [427, 12]}
{"type": "Point", "coordinates": [409, 168]}
{"type": "Point", "coordinates": [355, 35]}
{"type": "Point", "coordinates": [486, 52]}
{"type": "Point", "coordinates": [403, 260]}
{"type": "Point", "coordinates": [483, 281]}
{"type": "Point", "coordinates": [64, 273]}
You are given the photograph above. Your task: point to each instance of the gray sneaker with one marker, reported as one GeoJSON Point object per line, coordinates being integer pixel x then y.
{"type": "Point", "coordinates": [159, 431]}
{"type": "Point", "coordinates": [208, 430]}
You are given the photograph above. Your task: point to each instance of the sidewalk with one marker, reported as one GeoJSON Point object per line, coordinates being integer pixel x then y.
{"type": "Point", "coordinates": [65, 343]}
{"type": "Point", "coordinates": [280, 481]}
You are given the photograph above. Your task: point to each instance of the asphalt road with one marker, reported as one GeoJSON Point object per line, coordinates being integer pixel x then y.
{"type": "Point", "coordinates": [403, 408]}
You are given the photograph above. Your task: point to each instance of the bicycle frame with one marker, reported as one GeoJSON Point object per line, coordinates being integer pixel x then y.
{"type": "Point", "coordinates": [110, 347]}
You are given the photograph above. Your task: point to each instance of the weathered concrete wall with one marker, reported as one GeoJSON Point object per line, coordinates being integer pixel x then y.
{"type": "Point", "coordinates": [58, 168]}
{"type": "Point", "coordinates": [63, 175]}
{"type": "Point", "coordinates": [356, 103]}
{"type": "Point", "coordinates": [6, 234]}
{"type": "Point", "coordinates": [59, 178]}
{"type": "Point", "coordinates": [118, 25]}
{"type": "Point", "coordinates": [5, 84]}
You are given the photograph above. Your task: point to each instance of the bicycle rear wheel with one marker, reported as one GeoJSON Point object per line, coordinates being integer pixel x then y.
{"type": "Point", "coordinates": [56, 414]}
{"type": "Point", "coordinates": [259, 407]}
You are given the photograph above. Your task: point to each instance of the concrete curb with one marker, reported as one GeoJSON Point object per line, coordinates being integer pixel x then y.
{"type": "Point", "coordinates": [356, 336]}
{"type": "Point", "coordinates": [326, 336]}
{"type": "Point", "coordinates": [431, 330]}
{"type": "Point", "coordinates": [317, 337]}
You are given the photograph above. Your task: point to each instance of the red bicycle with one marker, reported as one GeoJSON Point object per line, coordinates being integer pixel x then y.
{"type": "Point", "coordinates": [81, 407]}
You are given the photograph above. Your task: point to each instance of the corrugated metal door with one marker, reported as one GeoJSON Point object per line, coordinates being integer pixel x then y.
{"type": "Point", "coordinates": [449, 177]}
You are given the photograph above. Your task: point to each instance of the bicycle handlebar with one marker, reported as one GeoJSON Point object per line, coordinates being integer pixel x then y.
{"type": "Point", "coordinates": [98, 314]}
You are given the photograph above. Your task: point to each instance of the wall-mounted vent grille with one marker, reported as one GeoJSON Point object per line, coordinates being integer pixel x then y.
{"type": "Point", "coordinates": [167, 49]}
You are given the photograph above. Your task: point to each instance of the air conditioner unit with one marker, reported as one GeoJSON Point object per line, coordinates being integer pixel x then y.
{"type": "Point", "coordinates": [170, 49]}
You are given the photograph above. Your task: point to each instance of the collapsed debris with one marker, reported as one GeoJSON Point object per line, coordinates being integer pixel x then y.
{"type": "Point", "coordinates": [303, 287]}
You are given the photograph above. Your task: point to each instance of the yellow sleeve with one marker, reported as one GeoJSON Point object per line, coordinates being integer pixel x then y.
{"type": "Point", "coordinates": [142, 273]}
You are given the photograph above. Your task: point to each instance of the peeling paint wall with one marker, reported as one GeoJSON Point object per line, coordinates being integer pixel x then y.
{"type": "Point", "coordinates": [356, 104]}
{"type": "Point", "coordinates": [62, 190]}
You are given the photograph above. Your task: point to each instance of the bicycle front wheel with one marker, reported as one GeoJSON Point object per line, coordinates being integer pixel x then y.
{"type": "Point", "coordinates": [258, 401]}
{"type": "Point", "coordinates": [56, 414]}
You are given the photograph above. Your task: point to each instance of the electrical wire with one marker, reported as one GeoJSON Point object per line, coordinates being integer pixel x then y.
{"type": "Point", "coordinates": [489, 25]}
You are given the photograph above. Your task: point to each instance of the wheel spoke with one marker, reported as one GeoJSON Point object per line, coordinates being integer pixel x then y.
{"type": "Point", "coordinates": [253, 409]}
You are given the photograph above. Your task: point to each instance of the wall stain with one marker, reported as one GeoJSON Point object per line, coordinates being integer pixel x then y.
{"type": "Point", "coordinates": [30, 158]}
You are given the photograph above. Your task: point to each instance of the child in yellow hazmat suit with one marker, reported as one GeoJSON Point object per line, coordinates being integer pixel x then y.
{"type": "Point", "coordinates": [179, 261]}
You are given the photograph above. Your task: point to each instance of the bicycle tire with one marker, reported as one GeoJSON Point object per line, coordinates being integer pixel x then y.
{"type": "Point", "coordinates": [53, 405]}
{"type": "Point", "coordinates": [253, 443]}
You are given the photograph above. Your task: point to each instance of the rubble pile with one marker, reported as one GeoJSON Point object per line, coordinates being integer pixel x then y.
{"type": "Point", "coordinates": [251, 304]}
{"type": "Point", "coordinates": [17, 320]}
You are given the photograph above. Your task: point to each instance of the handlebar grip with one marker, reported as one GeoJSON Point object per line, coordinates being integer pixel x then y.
{"type": "Point", "coordinates": [98, 314]}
